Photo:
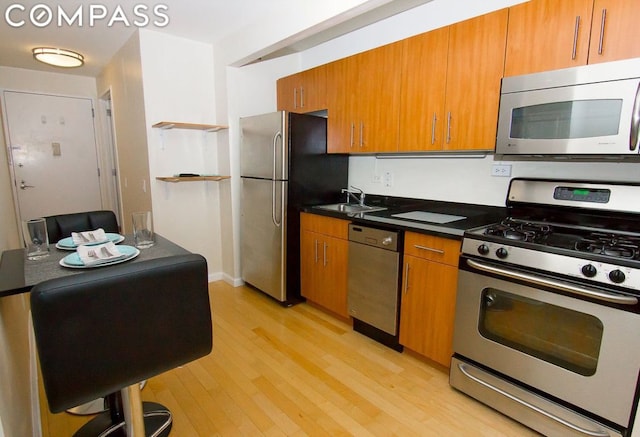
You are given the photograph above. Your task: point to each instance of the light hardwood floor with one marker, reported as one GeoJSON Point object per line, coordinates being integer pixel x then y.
{"type": "Point", "coordinates": [298, 371]}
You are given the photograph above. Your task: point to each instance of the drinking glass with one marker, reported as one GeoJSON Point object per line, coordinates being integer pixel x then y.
{"type": "Point", "coordinates": [36, 239]}
{"type": "Point", "coordinates": [143, 229]}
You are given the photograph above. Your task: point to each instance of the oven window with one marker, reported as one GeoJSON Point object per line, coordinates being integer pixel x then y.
{"type": "Point", "coordinates": [567, 120]}
{"type": "Point", "coordinates": [558, 335]}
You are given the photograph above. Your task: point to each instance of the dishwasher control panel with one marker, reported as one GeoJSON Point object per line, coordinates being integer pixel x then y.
{"type": "Point", "coordinates": [381, 238]}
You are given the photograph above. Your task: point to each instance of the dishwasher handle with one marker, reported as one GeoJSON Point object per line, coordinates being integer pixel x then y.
{"type": "Point", "coordinates": [380, 238]}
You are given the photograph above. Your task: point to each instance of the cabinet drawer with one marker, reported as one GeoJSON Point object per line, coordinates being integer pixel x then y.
{"type": "Point", "coordinates": [324, 225]}
{"type": "Point", "coordinates": [433, 248]}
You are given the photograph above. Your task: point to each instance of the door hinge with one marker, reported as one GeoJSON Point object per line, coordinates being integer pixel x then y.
{"type": "Point", "coordinates": [98, 171]}
{"type": "Point", "coordinates": [108, 112]}
{"type": "Point", "coordinates": [93, 113]}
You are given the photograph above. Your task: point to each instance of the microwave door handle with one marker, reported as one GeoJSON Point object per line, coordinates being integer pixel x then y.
{"type": "Point", "coordinates": [635, 122]}
{"type": "Point", "coordinates": [573, 289]}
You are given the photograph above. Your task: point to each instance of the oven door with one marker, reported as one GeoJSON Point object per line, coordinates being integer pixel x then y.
{"type": "Point", "coordinates": [590, 119]}
{"type": "Point", "coordinates": [573, 349]}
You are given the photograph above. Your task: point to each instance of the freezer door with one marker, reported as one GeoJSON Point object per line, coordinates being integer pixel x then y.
{"type": "Point", "coordinates": [263, 146]}
{"type": "Point", "coordinates": [263, 236]}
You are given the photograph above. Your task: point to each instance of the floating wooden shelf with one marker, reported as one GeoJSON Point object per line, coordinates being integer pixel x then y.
{"type": "Point", "coordinates": [191, 178]}
{"type": "Point", "coordinates": [193, 126]}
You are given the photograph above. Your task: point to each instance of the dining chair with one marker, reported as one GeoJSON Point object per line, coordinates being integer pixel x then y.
{"type": "Point", "coordinates": [103, 331]}
{"type": "Point", "coordinates": [62, 225]}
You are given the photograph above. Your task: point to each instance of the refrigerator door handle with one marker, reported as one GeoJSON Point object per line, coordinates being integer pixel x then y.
{"type": "Point", "coordinates": [274, 213]}
{"type": "Point", "coordinates": [275, 154]}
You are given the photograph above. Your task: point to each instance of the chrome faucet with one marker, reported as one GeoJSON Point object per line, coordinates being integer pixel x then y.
{"type": "Point", "coordinates": [350, 194]}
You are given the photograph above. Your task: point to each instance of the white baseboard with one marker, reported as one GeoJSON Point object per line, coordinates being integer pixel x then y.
{"type": "Point", "coordinates": [221, 276]}
{"type": "Point", "coordinates": [216, 276]}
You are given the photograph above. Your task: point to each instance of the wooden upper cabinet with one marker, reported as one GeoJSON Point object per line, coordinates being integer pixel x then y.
{"type": "Point", "coordinates": [363, 95]}
{"type": "Point", "coordinates": [424, 78]}
{"type": "Point", "coordinates": [341, 98]}
{"type": "Point", "coordinates": [550, 34]}
{"type": "Point", "coordinates": [303, 92]}
{"type": "Point", "coordinates": [451, 86]}
{"type": "Point", "coordinates": [475, 67]}
{"type": "Point", "coordinates": [613, 30]}
{"type": "Point", "coordinates": [377, 108]}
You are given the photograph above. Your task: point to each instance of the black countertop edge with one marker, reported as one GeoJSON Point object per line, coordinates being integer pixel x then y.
{"type": "Point", "coordinates": [12, 273]}
{"type": "Point", "coordinates": [476, 215]}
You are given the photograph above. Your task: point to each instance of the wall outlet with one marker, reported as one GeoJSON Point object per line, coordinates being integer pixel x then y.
{"type": "Point", "coordinates": [501, 170]}
{"type": "Point", "coordinates": [388, 179]}
{"type": "Point", "coordinates": [377, 179]}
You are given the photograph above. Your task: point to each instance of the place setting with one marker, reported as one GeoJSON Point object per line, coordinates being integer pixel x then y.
{"type": "Point", "coordinates": [95, 248]}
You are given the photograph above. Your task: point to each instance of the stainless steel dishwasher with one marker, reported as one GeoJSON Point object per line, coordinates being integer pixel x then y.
{"type": "Point", "coordinates": [374, 283]}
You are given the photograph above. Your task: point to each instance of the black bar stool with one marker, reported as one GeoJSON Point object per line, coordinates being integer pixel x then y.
{"type": "Point", "coordinates": [101, 332]}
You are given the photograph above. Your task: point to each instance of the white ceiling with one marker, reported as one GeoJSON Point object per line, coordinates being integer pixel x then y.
{"type": "Point", "coordinates": [201, 20]}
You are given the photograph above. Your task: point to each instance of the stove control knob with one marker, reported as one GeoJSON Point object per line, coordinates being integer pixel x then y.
{"type": "Point", "coordinates": [617, 276]}
{"type": "Point", "coordinates": [589, 271]}
{"type": "Point", "coordinates": [502, 253]}
{"type": "Point", "coordinates": [483, 249]}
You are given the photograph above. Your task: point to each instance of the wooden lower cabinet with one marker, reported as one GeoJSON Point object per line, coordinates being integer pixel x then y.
{"type": "Point", "coordinates": [429, 296]}
{"type": "Point", "coordinates": [323, 262]}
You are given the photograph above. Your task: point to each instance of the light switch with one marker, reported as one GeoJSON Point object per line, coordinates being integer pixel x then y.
{"type": "Point", "coordinates": [56, 149]}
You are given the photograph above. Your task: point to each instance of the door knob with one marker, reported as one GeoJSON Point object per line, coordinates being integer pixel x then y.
{"type": "Point", "coordinates": [23, 186]}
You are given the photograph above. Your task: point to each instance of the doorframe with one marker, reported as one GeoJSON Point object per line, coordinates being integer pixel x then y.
{"type": "Point", "coordinates": [112, 197]}
{"type": "Point", "coordinates": [12, 174]}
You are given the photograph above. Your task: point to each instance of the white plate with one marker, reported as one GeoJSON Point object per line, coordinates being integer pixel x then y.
{"type": "Point", "coordinates": [68, 244]}
{"type": "Point", "coordinates": [73, 259]}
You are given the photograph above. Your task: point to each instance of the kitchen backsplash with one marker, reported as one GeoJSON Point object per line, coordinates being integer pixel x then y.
{"type": "Point", "coordinates": [470, 180]}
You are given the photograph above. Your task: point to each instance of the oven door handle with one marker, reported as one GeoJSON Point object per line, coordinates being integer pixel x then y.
{"type": "Point", "coordinates": [573, 289]}
{"type": "Point", "coordinates": [524, 403]}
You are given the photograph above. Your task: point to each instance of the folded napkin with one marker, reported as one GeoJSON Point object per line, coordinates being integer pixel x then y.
{"type": "Point", "coordinates": [89, 237]}
{"type": "Point", "coordinates": [91, 255]}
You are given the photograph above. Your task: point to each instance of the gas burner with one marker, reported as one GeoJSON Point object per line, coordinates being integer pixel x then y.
{"type": "Point", "coordinates": [521, 231]}
{"type": "Point", "coordinates": [618, 246]}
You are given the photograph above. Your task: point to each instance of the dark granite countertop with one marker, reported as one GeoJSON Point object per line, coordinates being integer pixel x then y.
{"type": "Point", "coordinates": [472, 215]}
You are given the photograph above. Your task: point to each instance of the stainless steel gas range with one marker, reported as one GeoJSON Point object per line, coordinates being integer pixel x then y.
{"type": "Point", "coordinates": [547, 323]}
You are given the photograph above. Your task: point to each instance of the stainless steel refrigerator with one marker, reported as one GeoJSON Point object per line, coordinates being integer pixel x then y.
{"type": "Point", "coordinates": [284, 166]}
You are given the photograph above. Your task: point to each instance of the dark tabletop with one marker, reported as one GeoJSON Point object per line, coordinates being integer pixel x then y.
{"type": "Point", "coordinates": [18, 274]}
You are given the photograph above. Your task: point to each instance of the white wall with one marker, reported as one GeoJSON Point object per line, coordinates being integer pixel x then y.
{"type": "Point", "coordinates": [19, 418]}
{"type": "Point", "coordinates": [178, 78]}
{"type": "Point", "coordinates": [122, 78]}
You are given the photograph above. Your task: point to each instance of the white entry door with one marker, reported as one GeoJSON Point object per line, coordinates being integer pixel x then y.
{"type": "Point", "coordinates": [53, 153]}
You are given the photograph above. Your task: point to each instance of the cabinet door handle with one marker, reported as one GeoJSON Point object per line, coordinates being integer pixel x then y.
{"type": "Point", "coordinates": [429, 249]}
{"type": "Point", "coordinates": [433, 128]}
{"type": "Point", "coordinates": [353, 126]}
{"type": "Point", "coordinates": [448, 127]}
{"type": "Point", "coordinates": [406, 278]}
{"type": "Point", "coordinates": [361, 134]}
{"type": "Point", "coordinates": [575, 38]}
{"type": "Point", "coordinates": [315, 246]}
{"type": "Point", "coordinates": [295, 98]}
{"type": "Point", "coordinates": [301, 97]}
{"type": "Point", "coordinates": [603, 22]}
{"type": "Point", "coordinates": [324, 261]}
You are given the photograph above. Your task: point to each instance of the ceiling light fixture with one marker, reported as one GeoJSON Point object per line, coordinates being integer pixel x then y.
{"type": "Point", "coordinates": [58, 57]}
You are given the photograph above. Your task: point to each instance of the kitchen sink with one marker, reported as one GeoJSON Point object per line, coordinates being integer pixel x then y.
{"type": "Point", "coordinates": [350, 208]}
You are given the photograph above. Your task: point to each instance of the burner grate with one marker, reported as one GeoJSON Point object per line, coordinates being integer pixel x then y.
{"type": "Point", "coordinates": [618, 246]}
{"type": "Point", "coordinates": [521, 231]}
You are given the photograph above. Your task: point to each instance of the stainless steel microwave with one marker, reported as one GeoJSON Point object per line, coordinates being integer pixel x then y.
{"type": "Point", "coordinates": [588, 110]}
